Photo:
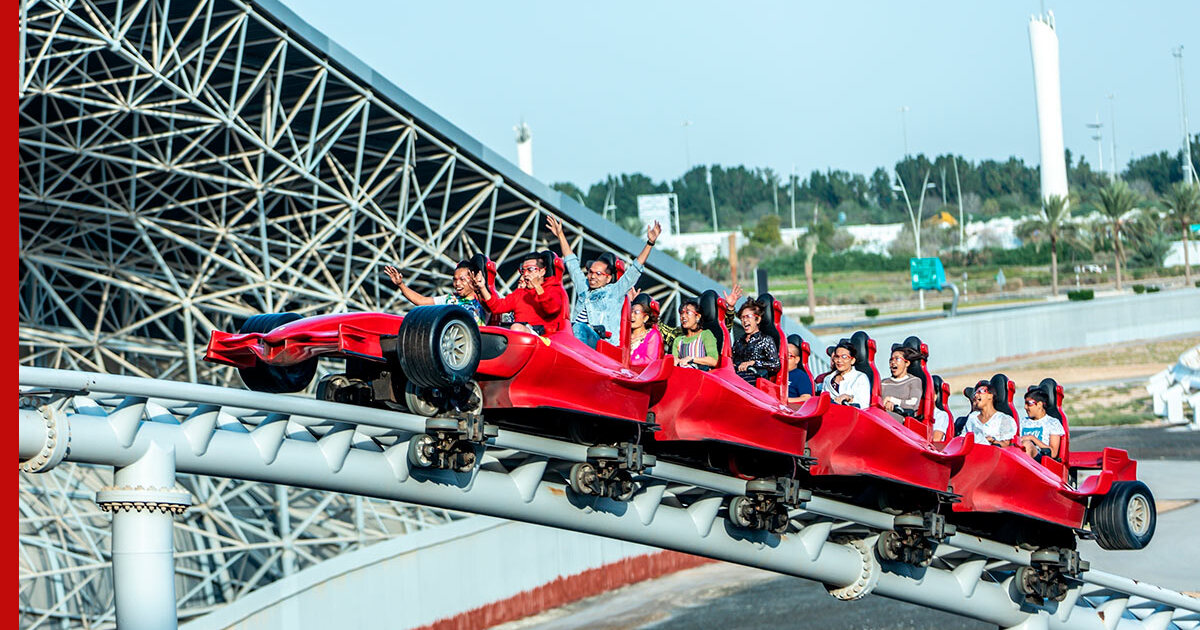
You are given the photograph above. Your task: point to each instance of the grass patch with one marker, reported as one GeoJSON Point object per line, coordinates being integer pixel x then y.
{"type": "Point", "coordinates": [1164, 352]}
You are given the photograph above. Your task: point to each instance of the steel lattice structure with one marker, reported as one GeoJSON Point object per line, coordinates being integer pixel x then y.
{"type": "Point", "coordinates": [186, 164]}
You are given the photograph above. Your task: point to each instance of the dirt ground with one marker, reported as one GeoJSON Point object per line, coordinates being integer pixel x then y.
{"type": "Point", "coordinates": [1104, 385]}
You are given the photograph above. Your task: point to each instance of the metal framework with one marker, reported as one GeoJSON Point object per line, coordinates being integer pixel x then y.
{"type": "Point", "coordinates": [187, 164]}
{"type": "Point", "coordinates": [125, 422]}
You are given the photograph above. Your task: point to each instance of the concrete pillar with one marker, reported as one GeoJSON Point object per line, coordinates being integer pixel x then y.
{"type": "Point", "coordinates": [143, 501]}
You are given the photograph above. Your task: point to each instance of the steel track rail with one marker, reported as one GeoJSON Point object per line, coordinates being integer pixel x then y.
{"type": "Point", "coordinates": [116, 420]}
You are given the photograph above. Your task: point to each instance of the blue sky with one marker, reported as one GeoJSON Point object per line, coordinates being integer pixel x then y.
{"type": "Point", "coordinates": [607, 86]}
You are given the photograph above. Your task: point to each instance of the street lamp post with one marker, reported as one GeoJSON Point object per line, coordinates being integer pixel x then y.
{"type": "Point", "coordinates": [915, 218]}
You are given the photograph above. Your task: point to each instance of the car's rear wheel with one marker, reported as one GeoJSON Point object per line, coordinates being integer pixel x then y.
{"type": "Point", "coordinates": [1125, 517]}
{"type": "Point", "coordinates": [439, 346]}
{"type": "Point", "coordinates": [275, 379]}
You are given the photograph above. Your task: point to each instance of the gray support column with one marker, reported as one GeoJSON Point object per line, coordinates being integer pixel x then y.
{"type": "Point", "coordinates": [143, 500]}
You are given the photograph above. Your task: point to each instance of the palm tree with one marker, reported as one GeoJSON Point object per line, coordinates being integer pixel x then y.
{"type": "Point", "coordinates": [1115, 201]}
{"type": "Point", "coordinates": [1182, 202]}
{"type": "Point", "coordinates": [1054, 209]}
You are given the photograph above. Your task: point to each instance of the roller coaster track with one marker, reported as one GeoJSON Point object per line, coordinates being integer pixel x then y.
{"type": "Point", "coordinates": [149, 430]}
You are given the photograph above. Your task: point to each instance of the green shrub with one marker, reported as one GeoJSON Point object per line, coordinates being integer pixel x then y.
{"type": "Point", "coordinates": [1080, 295]}
{"type": "Point", "coordinates": [946, 305]}
{"type": "Point", "coordinates": [1139, 288]}
{"type": "Point", "coordinates": [1198, 284]}
{"type": "Point", "coordinates": [807, 320]}
{"type": "Point", "coordinates": [1153, 289]}
{"type": "Point", "coordinates": [872, 312]}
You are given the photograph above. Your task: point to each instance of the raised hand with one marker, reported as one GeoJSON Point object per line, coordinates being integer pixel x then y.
{"type": "Point", "coordinates": [555, 226]}
{"type": "Point", "coordinates": [732, 297]}
{"type": "Point", "coordinates": [394, 275]}
{"type": "Point", "coordinates": [653, 232]}
{"type": "Point", "coordinates": [632, 293]}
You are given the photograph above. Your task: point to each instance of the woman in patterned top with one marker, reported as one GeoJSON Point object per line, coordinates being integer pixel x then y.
{"type": "Point", "coordinates": [464, 293]}
{"type": "Point", "coordinates": [697, 347]}
{"type": "Point", "coordinates": [755, 355]}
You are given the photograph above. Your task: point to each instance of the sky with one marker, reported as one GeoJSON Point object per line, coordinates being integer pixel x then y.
{"type": "Point", "coordinates": [607, 87]}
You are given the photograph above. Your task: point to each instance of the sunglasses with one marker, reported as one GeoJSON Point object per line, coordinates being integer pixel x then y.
{"type": "Point", "coordinates": [530, 268]}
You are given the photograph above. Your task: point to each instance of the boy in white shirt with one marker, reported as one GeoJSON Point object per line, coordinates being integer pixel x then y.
{"type": "Point", "coordinates": [1041, 433]}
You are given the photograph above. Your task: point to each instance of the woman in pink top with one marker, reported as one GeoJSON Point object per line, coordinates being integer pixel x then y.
{"type": "Point", "coordinates": [645, 341]}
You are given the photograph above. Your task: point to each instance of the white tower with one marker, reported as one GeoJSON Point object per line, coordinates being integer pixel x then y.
{"type": "Point", "coordinates": [524, 148]}
{"type": "Point", "coordinates": [1043, 41]}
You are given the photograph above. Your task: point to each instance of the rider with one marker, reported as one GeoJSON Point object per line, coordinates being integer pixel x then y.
{"type": "Point", "coordinates": [464, 293]}
{"type": "Point", "coordinates": [755, 354]}
{"type": "Point", "coordinates": [845, 384]}
{"type": "Point", "coordinates": [901, 392]}
{"type": "Point", "coordinates": [799, 383]}
{"type": "Point", "coordinates": [696, 347]}
{"type": "Point", "coordinates": [645, 342]}
{"type": "Point", "coordinates": [599, 295]}
{"type": "Point", "coordinates": [1041, 433]}
{"type": "Point", "coordinates": [988, 424]}
{"type": "Point", "coordinates": [537, 302]}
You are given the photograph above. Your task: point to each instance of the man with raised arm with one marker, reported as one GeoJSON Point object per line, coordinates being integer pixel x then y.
{"type": "Point", "coordinates": [599, 296]}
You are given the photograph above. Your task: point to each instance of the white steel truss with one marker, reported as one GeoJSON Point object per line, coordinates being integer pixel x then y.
{"type": "Point", "coordinates": [117, 420]}
{"type": "Point", "coordinates": [186, 164]}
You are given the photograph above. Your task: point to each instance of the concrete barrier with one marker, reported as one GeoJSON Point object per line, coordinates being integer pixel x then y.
{"type": "Point", "coordinates": [473, 573]}
{"type": "Point", "coordinates": [970, 340]}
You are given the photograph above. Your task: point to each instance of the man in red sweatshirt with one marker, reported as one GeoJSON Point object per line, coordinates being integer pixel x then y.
{"type": "Point", "coordinates": [538, 301]}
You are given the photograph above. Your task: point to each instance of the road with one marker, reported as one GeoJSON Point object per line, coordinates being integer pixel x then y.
{"type": "Point", "coordinates": [726, 596]}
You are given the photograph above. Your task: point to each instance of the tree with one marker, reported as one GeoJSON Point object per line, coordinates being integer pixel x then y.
{"type": "Point", "coordinates": [1115, 201]}
{"type": "Point", "coordinates": [1182, 203]}
{"type": "Point", "coordinates": [818, 231]}
{"type": "Point", "coordinates": [1054, 210]}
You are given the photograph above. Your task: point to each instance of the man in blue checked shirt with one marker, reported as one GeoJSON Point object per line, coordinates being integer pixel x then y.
{"type": "Point", "coordinates": [599, 295]}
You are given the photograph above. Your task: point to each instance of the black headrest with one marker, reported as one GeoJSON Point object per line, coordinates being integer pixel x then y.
{"type": "Point", "coordinates": [1001, 394]}
{"type": "Point", "coordinates": [796, 340]}
{"type": "Point", "coordinates": [768, 325]}
{"type": "Point", "coordinates": [710, 316]}
{"type": "Point", "coordinates": [862, 358]}
{"type": "Point", "coordinates": [1050, 386]}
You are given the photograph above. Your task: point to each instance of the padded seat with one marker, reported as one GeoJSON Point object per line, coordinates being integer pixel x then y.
{"type": "Point", "coordinates": [919, 369]}
{"type": "Point", "coordinates": [864, 351]}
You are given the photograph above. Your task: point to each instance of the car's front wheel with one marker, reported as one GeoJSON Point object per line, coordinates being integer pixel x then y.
{"type": "Point", "coordinates": [439, 346]}
{"type": "Point", "coordinates": [275, 379]}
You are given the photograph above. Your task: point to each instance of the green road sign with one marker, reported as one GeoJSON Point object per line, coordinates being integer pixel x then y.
{"type": "Point", "coordinates": [1195, 227]}
{"type": "Point", "coordinates": [927, 273]}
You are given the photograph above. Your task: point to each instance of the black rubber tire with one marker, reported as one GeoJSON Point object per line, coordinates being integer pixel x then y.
{"type": "Point", "coordinates": [1125, 517]}
{"type": "Point", "coordinates": [439, 346]}
{"type": "Point", "coordinates": [275, 379]}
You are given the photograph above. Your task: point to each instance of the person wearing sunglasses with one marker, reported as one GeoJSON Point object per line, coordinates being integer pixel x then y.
{"type": "Point", "coordinates": [538, 301]}
{"type": "Point", "coordinates": [988, 424]}
{"type": "Point", "coordinates": [599, 294]}
{"type": "Point", "coordinates": [1041, 433]}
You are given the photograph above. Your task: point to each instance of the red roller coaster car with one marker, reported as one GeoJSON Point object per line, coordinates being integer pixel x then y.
{"type": "Point", "coordinates": [436, 362]}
